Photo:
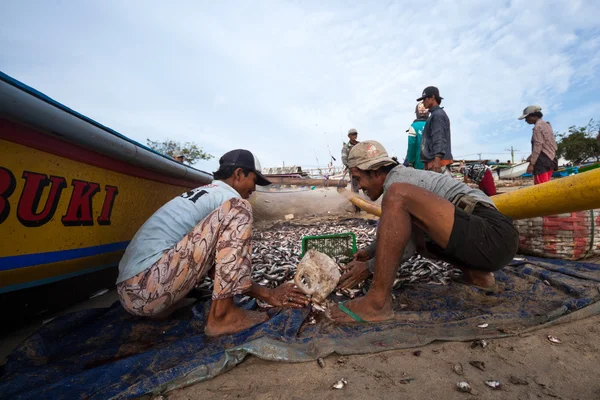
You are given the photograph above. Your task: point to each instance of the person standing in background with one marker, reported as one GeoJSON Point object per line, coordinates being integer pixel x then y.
{"type": "Point", "coordinates": [482, 176]}
{"type": "Point", "coordinates": [542, 161]}
{"type": "Point", "coordinates": [415, 134]}
{"type": "Point", "coordinates": [436, 144]}
{"type": "Point", "coordinates": [352, 136]}
{"type": "Point", "coordinates": [179, 157]}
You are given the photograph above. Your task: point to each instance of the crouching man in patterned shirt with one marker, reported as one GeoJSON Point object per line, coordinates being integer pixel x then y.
{"type": "Point", "coordinates": [206, 231]}
{"type": "Point", "coordinates": [466, 229]}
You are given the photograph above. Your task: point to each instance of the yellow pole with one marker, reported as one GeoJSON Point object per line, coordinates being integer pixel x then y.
{"type": "Point", "coordinates": [574, 193]}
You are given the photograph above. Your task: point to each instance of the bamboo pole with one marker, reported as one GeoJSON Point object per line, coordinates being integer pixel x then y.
{"type": "Point", "coordinates": [307, 182]}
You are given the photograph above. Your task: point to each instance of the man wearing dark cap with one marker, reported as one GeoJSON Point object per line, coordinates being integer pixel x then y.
{"type": "Point", "coordinates": [542, 161]}
{"type": "Point", "coordinates": [352, 136]}
{"type": "Point", "coordinates": [206, 231]}
{"type": "Point", "coordinates": [436, 145]}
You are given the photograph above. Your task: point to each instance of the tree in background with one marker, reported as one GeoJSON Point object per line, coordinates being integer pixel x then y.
{"type": "Point", "coordinates": [189, 150]}
{"type": "Point", "coordinates": [579, 143]}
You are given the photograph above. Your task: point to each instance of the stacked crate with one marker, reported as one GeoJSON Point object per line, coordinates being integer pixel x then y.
{"type": "Point", "coordinates": [569, 236]}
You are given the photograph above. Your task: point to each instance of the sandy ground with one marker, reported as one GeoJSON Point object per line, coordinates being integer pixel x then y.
{"type": "Point", "coordinates": [570, 370]}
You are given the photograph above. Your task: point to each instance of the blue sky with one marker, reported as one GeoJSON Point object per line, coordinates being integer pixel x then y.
{"type": "Point", "coordinates": [286, 80]}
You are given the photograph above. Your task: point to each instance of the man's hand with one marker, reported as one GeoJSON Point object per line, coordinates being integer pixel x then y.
{"type": "Point", "coordinates": [362, 255]}
{"type": "Point", "coordinates": [287, 295]}
{"type": "Point", "coordinates": [437, 165]}
{"type": "Point", "coordinates": [530, 169]}
{"type": "Point", "coordinates": [356, 272]}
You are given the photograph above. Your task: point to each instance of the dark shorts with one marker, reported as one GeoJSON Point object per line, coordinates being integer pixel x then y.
{"type": "Point", "coordinates": [485, 240]}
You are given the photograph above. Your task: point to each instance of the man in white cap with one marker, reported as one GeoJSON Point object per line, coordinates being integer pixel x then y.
{"type": "Point", "coordinates": [346, 147]}
{"type": "Point", "coordinates": [206, 231]}
{"type": "Point", "coordinates": [466, 229]}
{"type": "Point", "coordinates": [542, 161]}
{"type": "Point", "coordinates": [178, 156]}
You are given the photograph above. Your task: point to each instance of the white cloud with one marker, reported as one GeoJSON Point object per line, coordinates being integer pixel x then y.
{"type": "Point", "coordinates": [287, 80]}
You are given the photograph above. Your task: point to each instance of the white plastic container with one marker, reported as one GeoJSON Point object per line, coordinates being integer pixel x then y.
{"type": "Point", "coordinates": [317, 275]}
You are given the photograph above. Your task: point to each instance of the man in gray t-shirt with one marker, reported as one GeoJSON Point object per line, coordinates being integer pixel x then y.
{"type": "Point", "coordinates": [464, 225]}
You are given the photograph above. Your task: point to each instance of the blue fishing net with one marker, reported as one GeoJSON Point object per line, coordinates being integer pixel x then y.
{"type": "Point", "coordinates": [107, 353]}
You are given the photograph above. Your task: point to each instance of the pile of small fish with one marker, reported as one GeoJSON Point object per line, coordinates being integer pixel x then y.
{"type": "Point", "coordinates": [419, 269]}
{"type": "Point", "coordinates": [277, 250]}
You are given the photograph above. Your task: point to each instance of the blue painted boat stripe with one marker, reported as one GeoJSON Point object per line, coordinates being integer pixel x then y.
{"type": "Point", "coordinates": [52, 279]}
{"type": "Point", "coordinates": [27, 260]}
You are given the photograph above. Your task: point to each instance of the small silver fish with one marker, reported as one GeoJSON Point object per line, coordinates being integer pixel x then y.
{"type": "Point", "coordinates": [318, 307]}
{"type": "Point", "coordinates": [484, 325]}
{"type": "Point", "coordinates": [463, 386]}
{"type": "Point", "coordinates": [340, 384]}
{"type": "Point", "coordinates": [554, 339]}
{"type": "Point", "coordinates": [321, 362]}
{"type": "Point", "coordinates": [493, 384]}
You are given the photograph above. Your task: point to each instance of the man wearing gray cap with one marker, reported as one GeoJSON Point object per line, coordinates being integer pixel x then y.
{"type": "Point", "coordinates": [542, 161]}
{"type": "Point", "coordinates": [352, 135]}
{"type": "Point", "coordinates": [465, 227]}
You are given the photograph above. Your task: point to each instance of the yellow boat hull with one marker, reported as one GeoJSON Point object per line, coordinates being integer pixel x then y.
{"type": "Point", "coordinates": [61, 217]}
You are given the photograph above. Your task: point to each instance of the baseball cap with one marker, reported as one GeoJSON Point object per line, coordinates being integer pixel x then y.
{"type": "Point", "coordinates": [428, 92]}
{"type": "Point", "coordinates": [369, 155]}
{"type": "Point", "coordinates": [530, 110]}
{"type": "Point", "coordinates": [244, 159]}
{"type": "Point", "coordinates": [178, 154]}
{"type": "Point", "coordinates": [352, 132]}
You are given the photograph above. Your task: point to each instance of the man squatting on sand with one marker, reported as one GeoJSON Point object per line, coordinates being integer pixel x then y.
{"type": "Point", "coordinates": [206, 231]}
{"type": "Point", "coordinates": [464, 225]}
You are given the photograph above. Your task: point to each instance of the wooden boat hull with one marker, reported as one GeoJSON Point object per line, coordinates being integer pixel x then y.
{"type": "Point", "coordinates": [70, 205]}
{"type": "Point", "coordinates": [64, 217]}
{"type": "Point", "coordinates": [513, 172]}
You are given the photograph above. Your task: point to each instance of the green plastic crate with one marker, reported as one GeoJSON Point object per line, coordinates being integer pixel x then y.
{"type": "Point", "coordinates": [334, 245]}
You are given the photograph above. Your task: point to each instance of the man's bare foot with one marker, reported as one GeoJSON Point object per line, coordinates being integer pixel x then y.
{"type": "Point", "coordinates": [478, 278]}
{"type": "Point", "coordinates": [225, 318]}
{"type": "Point", "coordinates": [366, 308]}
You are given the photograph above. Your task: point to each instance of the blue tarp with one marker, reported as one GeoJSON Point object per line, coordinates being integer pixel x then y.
{"type": "Point", "coordinates": [106, 353]}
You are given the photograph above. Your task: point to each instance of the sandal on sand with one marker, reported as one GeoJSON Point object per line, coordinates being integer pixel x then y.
{"type": "Point", "coordinates": [355, 317]}
{"type": "Point", "coordinates": [486, 289]}
{"type": "Point", "coordinates": [349, 312]}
